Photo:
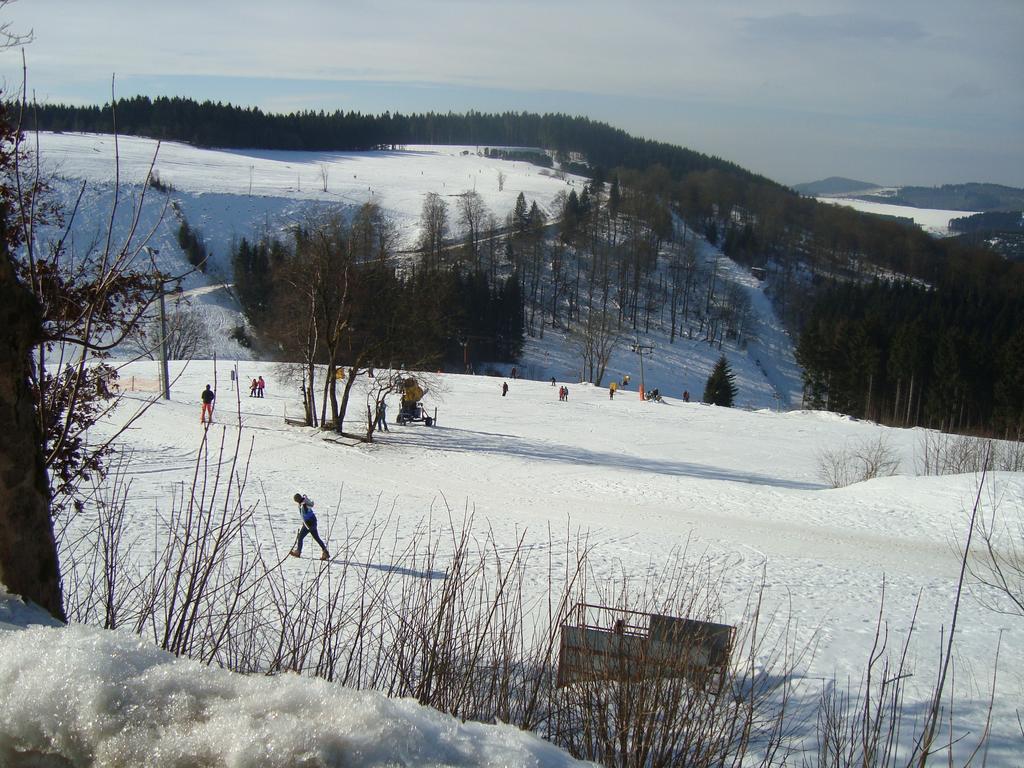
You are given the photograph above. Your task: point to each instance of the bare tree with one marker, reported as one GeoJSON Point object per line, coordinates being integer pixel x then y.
{"type": "Point", "coordinates": [386, 381]}
{"type": "Point", "coordinates": [187, 336]}
{"type": "Point", "coordinates": [318, 273]}
{"type": "Point", "coordinates": [28, 552]}
{"type": "Point", "coordinates": [79, 311]}
{"type": "Point", "coordinates": [92, 301]}
{"type": "Point", "coordinates": [324, 170]}
{"type": "Point", "coordinates": [374, 234]}
{"type": "Point", "coordinates": [595, 340]}
{"type": "Point", "coordinates": [433, 229]}
{"type": "Point", "coordinates": [472, 218]}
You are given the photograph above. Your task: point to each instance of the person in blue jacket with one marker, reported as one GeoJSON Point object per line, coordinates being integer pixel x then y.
{"type": "Point", "coordinates": [308, 527]}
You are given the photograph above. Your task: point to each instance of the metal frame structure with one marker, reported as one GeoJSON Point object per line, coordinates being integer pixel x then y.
{"type": "Point", "coordinates": [599, 643]}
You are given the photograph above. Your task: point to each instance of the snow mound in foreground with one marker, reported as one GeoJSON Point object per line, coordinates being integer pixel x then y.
{"type": "Point", "coordinates": [83, 696]}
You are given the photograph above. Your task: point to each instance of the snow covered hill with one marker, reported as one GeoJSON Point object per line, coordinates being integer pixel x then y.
{"type": "Point", "coordinates": [226, 195]}
{"type": "Point", "coordinates": [229, 194]}
{"type": "Point", "coordinates": [933, 221]}
{"type": "Point", "coordinates": [641, 481]}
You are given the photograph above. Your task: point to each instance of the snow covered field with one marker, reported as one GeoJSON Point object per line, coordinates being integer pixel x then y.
{"type": "Point", "coordinates": [226, 195]}
{"type": "Point", "coordinates": [211, 190]}
{"type": "Point", "coordinates": [931, 220]}
{"type": "Point", "coordinates": [232, 192]}
{"type": "Point", "coordinates": [642, 481]}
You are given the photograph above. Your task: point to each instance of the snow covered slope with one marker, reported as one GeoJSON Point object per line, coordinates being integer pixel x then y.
{"type": "Point", "coordinates": [933, 220]}
{"type": "Point", "coordinates": [253, 188]}
{"type": "Point", "coordinates": [226, 195]}
{"type": "Point", "coordinates": [643, 481]}
{"type": "Point", "coordinates": [95, 697]}
{"type": "Point", "coordinates": [229, 194]}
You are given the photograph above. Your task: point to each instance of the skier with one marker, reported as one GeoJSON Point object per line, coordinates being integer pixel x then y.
{"type": "Point", "coordinates": [308, 527]}
{"type": "Point", "coordinates": [252, 388]}
{"type": "Point", "coordinates": [611, 390]}
{"type": "Point", "coordinates": [382, 416]}
{"type": "Point", "coordinates": [686, 396]}
{"type": "Point", "coordinates": [206, 414]}
{"type": "Point", "coordinates": [504, 388]}
{"type": "Point", "coordinates": [260, 384]}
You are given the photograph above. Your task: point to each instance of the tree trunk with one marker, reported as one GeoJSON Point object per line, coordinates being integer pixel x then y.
{"type": "Point", "coordinates": [28, 551]}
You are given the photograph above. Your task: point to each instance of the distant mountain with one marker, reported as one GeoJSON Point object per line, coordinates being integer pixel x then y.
{"type": "Point", "coordinates": [834, 185]}
{"type": "Point", "coordinates": [957, 197]}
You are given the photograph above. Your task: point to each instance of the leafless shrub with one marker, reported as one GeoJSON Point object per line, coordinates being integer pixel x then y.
{"type": "Point", "coordinates": [453, 619]}
{"type": "Point", "coordinates": [939, 453]}
{"type": "Point", "coordinates": [861, 726]}
{"type": "Point", "coordinates": [447, 618]}
{"type": "Point", "coordinates": [872, 726]}
{"type": "Point", "coordinates": [997, 567]}
{"type": "Point", "coordinates": [853, 464]}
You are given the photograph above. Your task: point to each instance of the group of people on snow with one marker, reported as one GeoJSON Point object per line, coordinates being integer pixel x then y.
{"type": "Point", "coordinates": [208, 396]}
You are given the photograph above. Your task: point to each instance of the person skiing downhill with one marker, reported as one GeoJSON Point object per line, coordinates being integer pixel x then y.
{"type": "Point", "coordinates": [308, 527]}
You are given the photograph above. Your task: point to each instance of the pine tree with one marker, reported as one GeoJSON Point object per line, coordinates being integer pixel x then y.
{"type": "Point", "coordinates": [614, 198]}
{"type": "Point", "coordinates": [721, 386]}
{"type": "Point", "coordinates": [520, 215]}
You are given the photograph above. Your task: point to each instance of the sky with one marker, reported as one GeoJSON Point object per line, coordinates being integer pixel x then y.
{"type": "Point", "coordinates": [905, 92]}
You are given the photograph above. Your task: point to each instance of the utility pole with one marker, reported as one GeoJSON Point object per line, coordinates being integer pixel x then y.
{"type": "Point", "coordinates": [165, 379]}
{"type": "Point", "coordinates": [642, 349]}
{"type": "Point", "coordinates": [164, 375]}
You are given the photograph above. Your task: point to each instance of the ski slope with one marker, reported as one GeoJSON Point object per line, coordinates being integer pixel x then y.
{"type": "Point", "coordinates": [226, 195]}
{"type": "Point", "coordinates": [229, 194]}
{"type": "Point", "coordinates": [642, 481]}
